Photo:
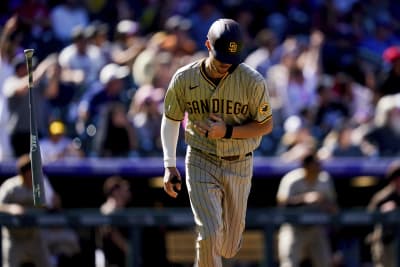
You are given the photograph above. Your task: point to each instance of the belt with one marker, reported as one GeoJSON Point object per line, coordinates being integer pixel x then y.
{"type": "Point", "coordinates": [227, 158]}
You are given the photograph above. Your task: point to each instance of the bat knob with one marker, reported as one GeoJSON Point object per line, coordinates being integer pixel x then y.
{"type": "Point", "coordinates": [29, 52]}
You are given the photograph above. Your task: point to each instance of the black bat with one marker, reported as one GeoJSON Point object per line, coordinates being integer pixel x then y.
{"type": "Point", "coordinates": [36, 160]}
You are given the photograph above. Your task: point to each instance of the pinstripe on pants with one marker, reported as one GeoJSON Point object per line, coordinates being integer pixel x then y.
{"type": "Point", "coordinates": [218, 192]}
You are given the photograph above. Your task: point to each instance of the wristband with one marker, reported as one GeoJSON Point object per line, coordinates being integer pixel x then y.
{"type": "Point", "coordinates": [229, 130]}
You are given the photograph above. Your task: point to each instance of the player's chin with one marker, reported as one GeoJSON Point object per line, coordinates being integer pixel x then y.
{"type": "Point", "coordinates": [224, 69]}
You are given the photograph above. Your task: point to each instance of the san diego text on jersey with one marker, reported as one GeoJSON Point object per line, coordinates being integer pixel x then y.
{"type": "Point", "coordinates": [219, 106]}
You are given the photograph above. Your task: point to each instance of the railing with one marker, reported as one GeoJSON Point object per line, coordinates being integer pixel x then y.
{"type": "Point", "coordinates": [266, 219]}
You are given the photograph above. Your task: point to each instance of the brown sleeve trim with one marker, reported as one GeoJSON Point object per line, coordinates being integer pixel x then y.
{"type": "Point", "coordinates": [171, 118]}
{"type": "Point", "coordinates": [266, 119]}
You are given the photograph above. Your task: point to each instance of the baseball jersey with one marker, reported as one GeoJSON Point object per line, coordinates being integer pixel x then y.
{"type": "Point", "coordinates": [239, 97]}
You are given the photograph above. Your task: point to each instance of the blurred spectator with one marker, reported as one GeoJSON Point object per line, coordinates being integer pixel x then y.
{"type": "Point", "coordinates": [382, 37]}
{"type": "Point", "coordinates": [116, 136]}
{"type": "Point", "coordinates": [152, 14]}
{"type": "Point", "coordinates": [178, 40]}
{"type": "Point", "coordinates": [34, 16]}
{"type": "Point", "coordinates": [146, 113]}
{"type": "Point", "coordinates": [16, 89]}
{"type": "Point", "coordinates": [384, 134]}
{"type": "Point", "coordinates": [112, 12]}
{"type": "Point", "coordinates": [382, 239]}
{"type": "Point", "coordinates": [6, 70]}
{"type": "Point", "coordinates": [127, 43]}
{"type": "Point", "coordinates": [35, 23]}
{"type": "Point", "coordinates": [66, 16]}
{"type": "Point", "coordinates": [67, 85]}
{"type": "Point", "coordinates": [303, 73]}
{"type": "Point", "coordinates": [164, 66]}
{"type": "Point", "coordinates": [310, 58]}
{"type": "Point", "coordinates": [97, 34]}
{"type": "Point", "coordinates": [83, 60]}
{"type": "Point", "coordinates": [342, 142]}
{"type": "Point", "coordinates": [362, 106]}
{"type": "Point", "coordinates": [23, 245]}
{"type": "Point", "coordinates": [144, 68]}
{"type": "Point", "coordinates": [260, 58]}
{"type": "Point", "coordinates": [110, 89]}
{"type": "Point", "coordinates": [204, 14]}
{"type": "Point", "coordinates": [330, 110]}
{"type": "Point", "coordinates": [279, 22]}
{"type": "Point", "coordinates": [114, 241]}
{"type": "Point", "coordinates": [357, 98]}
{"type": "Point", "coordinates": [339, 50]}
{"type": "Point", "coordinates": [390, 80]}
{"type": "Point", "coordinates": [57, 145]}
{"type": "Point", "coordinates": [296, 140]}
{"type": "Point", "coordinates": [277, 77]}
{"type": "Point", "coordinates": [8, 47]}
{"type": "Point", "coordinates": [300, 92]}
{"type": "Point", "coordinates": [306, 188]}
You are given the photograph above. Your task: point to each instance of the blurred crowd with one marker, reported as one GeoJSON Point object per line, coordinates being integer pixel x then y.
{"type": "Point", "coordinates": [101, 69]}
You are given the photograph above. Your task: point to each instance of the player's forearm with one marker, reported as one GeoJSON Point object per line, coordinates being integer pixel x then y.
{"type": "Point", "coordinates": [14, 209]}
{"type": "Point", "coordinates": [291, 201]}
{"type": "Point", "coordinates": [252, 129]}
{"type": "Point", "coordinates": [169, 140]}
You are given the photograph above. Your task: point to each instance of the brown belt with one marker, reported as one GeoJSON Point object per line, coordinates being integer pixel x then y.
{"type": "Point", "coordinates": [227, 158]}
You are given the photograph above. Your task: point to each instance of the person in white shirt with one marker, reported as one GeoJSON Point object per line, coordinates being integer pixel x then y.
{"type": "Point", "coordinates": [82, 58]}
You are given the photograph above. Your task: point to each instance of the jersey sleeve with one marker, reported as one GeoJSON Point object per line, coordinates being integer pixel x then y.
{"type": "Point", "coordinates": [283, 189]}
{"type": "Point", "coordinates": [174, 104]}
{"type": "Point", "coordinates": [5, 193]}
{"type": "Point", "coordinates": [260, 106]}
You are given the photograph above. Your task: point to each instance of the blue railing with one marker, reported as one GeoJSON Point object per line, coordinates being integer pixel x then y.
{"type": "Point", "coordinates": [150, 167]}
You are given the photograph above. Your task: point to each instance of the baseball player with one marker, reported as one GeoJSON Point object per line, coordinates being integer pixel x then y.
{"type": "Point", "coordinates": [228, 109]}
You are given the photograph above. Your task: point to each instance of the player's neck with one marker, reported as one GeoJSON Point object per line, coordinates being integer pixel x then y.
{"type": "Point", "coordinates": [210, 73]}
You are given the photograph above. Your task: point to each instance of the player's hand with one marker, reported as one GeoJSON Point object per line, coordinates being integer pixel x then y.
{"type": "Point", "coordinates": [202, 127]}
{"type": "Point", "coordinates": [172, 181]}
{"type": "Point", "coordinates": [15, 209]}
{"type": "Point", "coordinates": [388, 206]}
{"type": "Point", "coordinates": [213, 128]}
{"type": "Point", "coordinates": [217, 127]}
{"type": "Point", "coordinates": [313, 197]}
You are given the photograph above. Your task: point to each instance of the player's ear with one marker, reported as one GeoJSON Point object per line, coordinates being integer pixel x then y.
{"type": "Point", "coordinates": [208, 44]}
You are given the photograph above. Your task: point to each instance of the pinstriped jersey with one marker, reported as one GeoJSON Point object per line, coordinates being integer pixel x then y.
{"type": "Point", "coordinates": [240, 96]}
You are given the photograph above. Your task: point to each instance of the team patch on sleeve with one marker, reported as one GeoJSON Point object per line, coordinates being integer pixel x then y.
{"type": "Point", "coordinates": [264, 109]}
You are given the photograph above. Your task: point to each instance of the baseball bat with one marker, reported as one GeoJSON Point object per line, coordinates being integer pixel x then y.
{"type": "Point", "coordinates": [34, 153]}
